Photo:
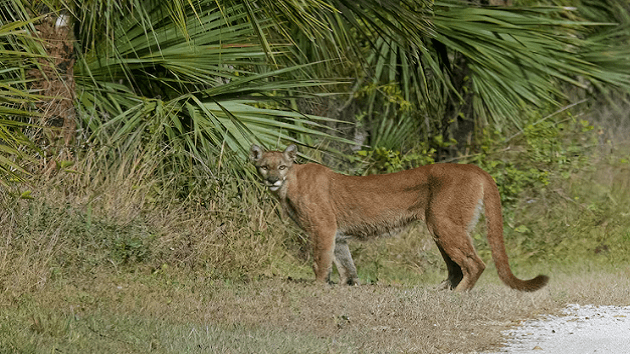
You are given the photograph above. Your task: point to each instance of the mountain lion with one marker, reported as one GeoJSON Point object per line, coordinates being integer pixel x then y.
{"type": "Point", "coordinates": [332, 207]}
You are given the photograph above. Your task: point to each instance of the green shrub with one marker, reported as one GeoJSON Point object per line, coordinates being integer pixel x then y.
{"type": "Point", "coordinates": [545, 149]}
{"type": "Point", "coordinates": [382, 160]}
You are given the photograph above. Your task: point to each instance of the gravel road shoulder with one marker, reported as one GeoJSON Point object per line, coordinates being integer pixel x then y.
{"type": "Point", "coordinates": [583, 329]}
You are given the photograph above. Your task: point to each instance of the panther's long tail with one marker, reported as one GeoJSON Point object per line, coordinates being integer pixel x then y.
{"type": "Point", "coordinates": [494, 222]}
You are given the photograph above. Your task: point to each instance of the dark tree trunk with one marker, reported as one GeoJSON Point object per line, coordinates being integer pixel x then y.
{"type": "Point", "coordinates": [55, 81]}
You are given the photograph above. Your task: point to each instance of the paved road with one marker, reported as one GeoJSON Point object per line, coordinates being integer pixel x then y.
{"type": "Point", "coordinates": [584, 329]}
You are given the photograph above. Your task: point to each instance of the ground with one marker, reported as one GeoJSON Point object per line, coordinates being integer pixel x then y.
{"type": "Point", "coordinates": [138, 313]}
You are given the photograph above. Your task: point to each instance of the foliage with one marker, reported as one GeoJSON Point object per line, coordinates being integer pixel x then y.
{"type": "Point", "coordinates": [118, 216]}
{"type": "Point", "coordinates": [188, 78]}
{"type": "Point", "coordinates": [490, 43]}
{"type": "Point", "coordinates": [17, 50]}
{"type": "Point", "coordinates": [205, 78]}
{"type": "Point", "coordinates": [382, 160]}
{"type": "Point", "coordinates": [503, 47]}
{"type": "Point", "coordinates": [558, 146]}
{"type": "Point", "coordinates": [585, 222]}
{"type": "Point", "coordinates": [191, 85]}
{"type": "Point", "coordinates": [484, 64]}
{"type": "Point", "coordinates": [559, 192]}
{"type": "Point", "coordinates": [89, 243]}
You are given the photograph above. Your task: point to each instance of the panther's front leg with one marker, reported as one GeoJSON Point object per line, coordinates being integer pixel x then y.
{"type": "Point", "coordinates": [323, 238]}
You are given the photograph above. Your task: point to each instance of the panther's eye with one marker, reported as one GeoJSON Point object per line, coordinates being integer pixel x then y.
{"type": "Point", "coordinates": [282, 167]}
{"type": "Point", "coordinates": [264, 168]}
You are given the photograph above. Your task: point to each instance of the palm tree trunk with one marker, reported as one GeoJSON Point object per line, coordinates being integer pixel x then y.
{"type": "Point", "coordinates": [55, 81]}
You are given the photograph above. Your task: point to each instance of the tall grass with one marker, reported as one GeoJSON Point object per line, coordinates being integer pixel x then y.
{"type": "Point", "coordinates": [126, 215]}
{"type": "Point", "coordinates": [582, 213]}
{"type": "Point", "coordinates": [103, 216]}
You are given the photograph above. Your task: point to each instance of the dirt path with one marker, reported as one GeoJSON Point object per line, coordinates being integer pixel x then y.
{"type": "Point", "coordinates": [584, 329]}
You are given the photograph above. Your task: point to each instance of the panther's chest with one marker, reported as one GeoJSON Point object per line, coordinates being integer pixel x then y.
{"type": "Point", "coordinates": [289, 209]}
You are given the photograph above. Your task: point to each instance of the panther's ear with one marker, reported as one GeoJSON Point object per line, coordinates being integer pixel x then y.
{"type": "Point", "coordinates": [255, 153]}
{"type": "Point", "coordinates": [290, 153]}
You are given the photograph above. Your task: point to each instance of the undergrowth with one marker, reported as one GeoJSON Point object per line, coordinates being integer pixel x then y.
{"type": "Point", "coordinates": [564, 189]}
{"type": "Point", "coordinates": [115, 219]}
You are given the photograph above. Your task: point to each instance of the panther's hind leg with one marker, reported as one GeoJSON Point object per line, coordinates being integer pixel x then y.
{"type": "Point", "coordinates": [462, 261]}
{"type": "Point", "coordinates": [455, 274]}
{"type": "Point", "coordinates": [459, 252]}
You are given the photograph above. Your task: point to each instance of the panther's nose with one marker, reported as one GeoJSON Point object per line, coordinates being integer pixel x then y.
{"type": "Point", "coordinates": [274, 183]}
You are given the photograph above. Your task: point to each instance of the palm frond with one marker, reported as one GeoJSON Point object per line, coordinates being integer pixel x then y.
{"type": "Point", "coordinates": [195, 93]}
{"type": "Point", "coordinates": [518, 56]}
{"type": "Point", "coordinates": [17, 48]}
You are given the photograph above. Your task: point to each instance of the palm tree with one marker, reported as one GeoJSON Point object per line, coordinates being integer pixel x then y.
{"type": "Point", "coordinates": [201, 78]}
{"type": "Point", "coordinates": [484, 64]}
{"type": "Point", "coordinates": [423, 67]}
{"type": "Point", "coordinates": [195, 79]}
{"type": "Point", "coordinates": [184, 82]}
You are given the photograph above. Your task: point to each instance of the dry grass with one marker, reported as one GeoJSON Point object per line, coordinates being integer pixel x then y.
{"type": "Point", "coordinates": [183, 314]}
{"type": "Point", "coordinates": [115, 218]}
{"type": "Point", "coordinates": [401, 319]}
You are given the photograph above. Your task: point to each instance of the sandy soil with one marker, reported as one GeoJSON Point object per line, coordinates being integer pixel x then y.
{"type": "Point", "coordinates": [583, 329]}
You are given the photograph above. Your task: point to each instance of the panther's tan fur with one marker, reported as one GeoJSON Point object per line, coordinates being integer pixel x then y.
{"type": "Point", "coordinates": [332, 207]}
